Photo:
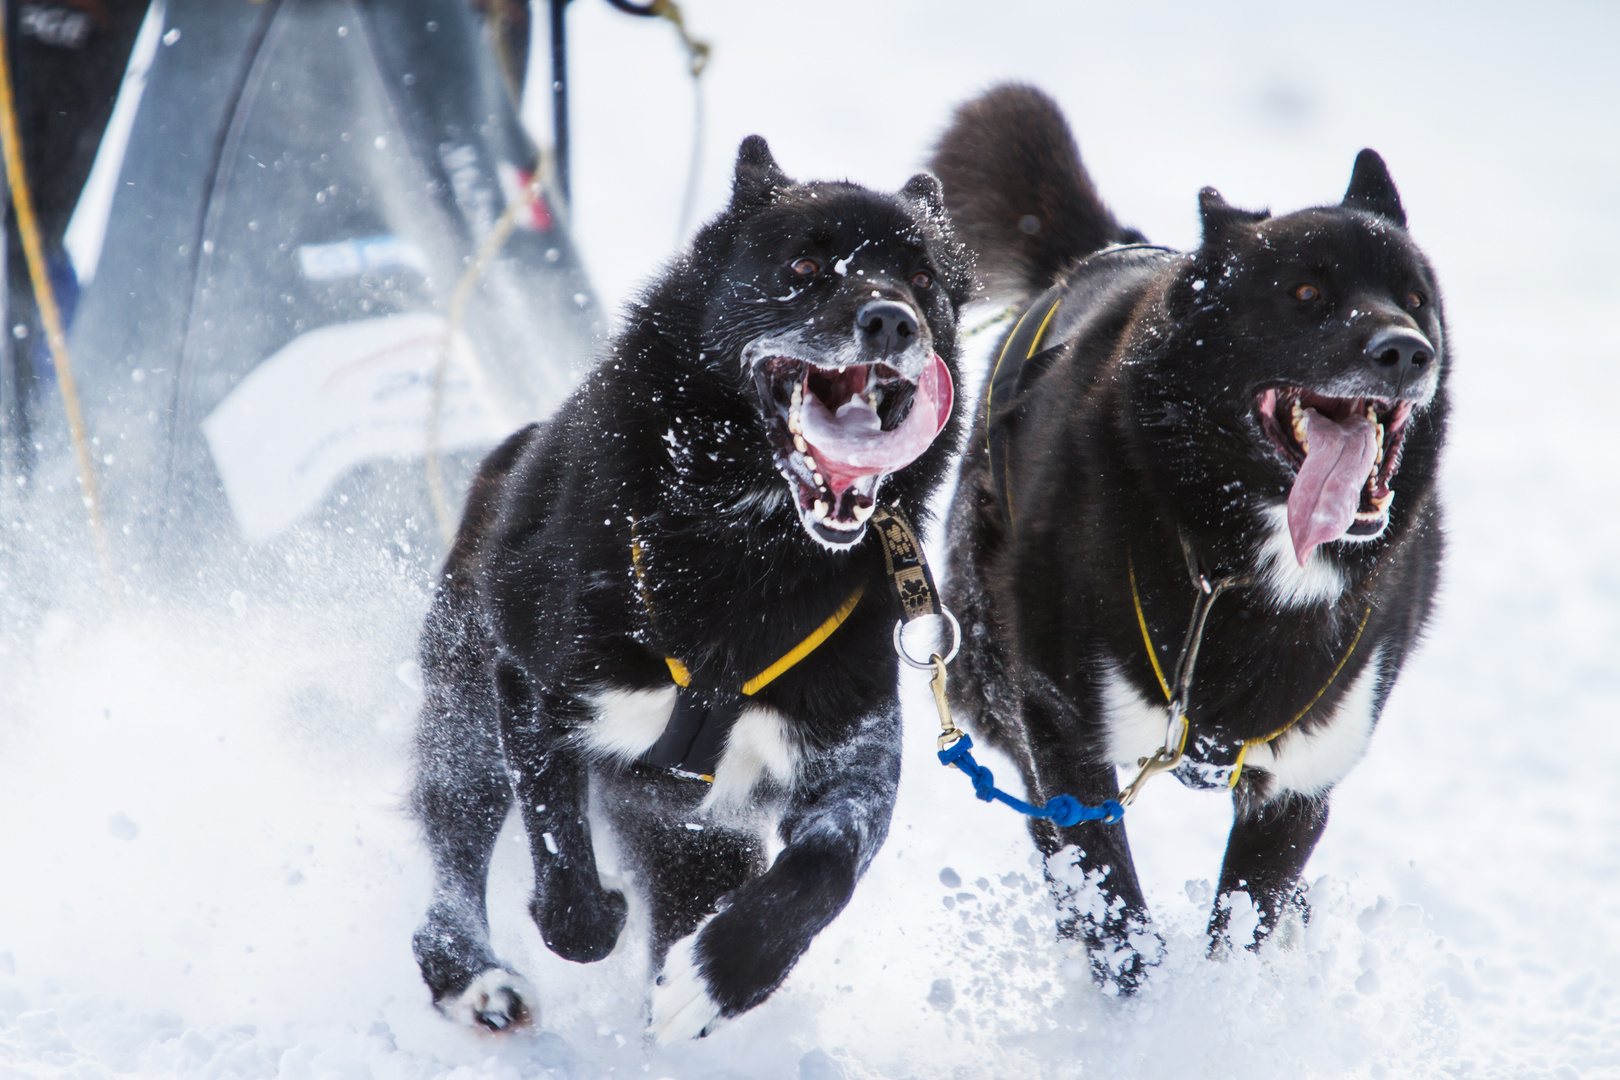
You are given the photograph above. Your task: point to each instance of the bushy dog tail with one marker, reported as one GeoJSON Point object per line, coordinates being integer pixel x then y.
{"type": "Point", "coordinates": [1017, 193]}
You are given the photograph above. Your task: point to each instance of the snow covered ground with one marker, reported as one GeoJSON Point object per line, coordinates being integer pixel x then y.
{"type": "Point", "coordinates": [205, 869]}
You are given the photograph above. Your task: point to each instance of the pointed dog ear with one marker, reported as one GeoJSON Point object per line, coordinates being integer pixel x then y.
{"type": "Point", "coordinates": [1219, 216]}
{"type": "Point", "coordinates": [758, 177]}
{"type": "Point", "coordinates": [1371, 189]}
{"type": "Point", "coordinates": [924, 189]}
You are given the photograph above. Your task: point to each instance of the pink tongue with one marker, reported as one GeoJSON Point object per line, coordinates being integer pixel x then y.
{"type": "Point", "coordinates": [852, 443]}
{"type": "Point", "coordinates": [1323, 501]}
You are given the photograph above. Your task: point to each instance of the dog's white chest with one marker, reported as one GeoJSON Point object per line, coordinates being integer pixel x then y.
{"type": "Point", "coordinates": [1315, 755]}
{"type": "Point", "coordinates": [760, 744]}
{"type": "Point", "coordinates": [1308, 760]}
{"type": "Point", "coordinates": [1285, 581]}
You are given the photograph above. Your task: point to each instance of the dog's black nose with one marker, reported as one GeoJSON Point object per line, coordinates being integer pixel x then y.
{"type": "Point", "coordinates": [1399, 353]}
{"type": "Point", "coordinates": [887, 325]}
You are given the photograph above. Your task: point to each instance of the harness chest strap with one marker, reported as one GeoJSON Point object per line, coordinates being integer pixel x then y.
{"type": "Point", "coordinates": [692, 740]}
{"type": "Point", "coordinates": [1019, 348]}
{"type": "Point", "coordinates": [1170, 699]}
{"type": "Point", "coordinates": [683, 678]}
{"type": "Point", "coordinates": [1038, 331]}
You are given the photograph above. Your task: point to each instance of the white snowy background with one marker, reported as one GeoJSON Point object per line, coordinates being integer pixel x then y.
{"type": "Point", "coordinates": [206, 870]}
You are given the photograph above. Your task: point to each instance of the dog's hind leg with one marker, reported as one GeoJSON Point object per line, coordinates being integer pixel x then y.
{"type": "Point", "coordinates": [837, 818]}
{"type": "Point", "coordinates": [1265, 853]}
{"type": "Point", "coordinates": [461, 795]}
{"type": "Point", "coordinates": [578, 919]}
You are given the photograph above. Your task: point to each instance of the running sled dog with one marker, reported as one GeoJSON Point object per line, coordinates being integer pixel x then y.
{"type": "Point", "coordinates": [1223, 458]}
{"type": "Point", "coordinates": [665, 613]}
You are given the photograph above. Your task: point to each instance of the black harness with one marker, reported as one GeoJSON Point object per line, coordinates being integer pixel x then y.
{"type": "Point", "coordinates": [705, 710]}
{"type": "Point", "coordinates": [1055, 318]}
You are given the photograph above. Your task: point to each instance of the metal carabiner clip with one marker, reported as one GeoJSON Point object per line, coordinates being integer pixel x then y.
{"type": "Point", "coordinates": [949, 733]}
{"type": "Point", "coordinates": [1161, 761]}
{"type": "Point", "coordinates": [1164, 759]}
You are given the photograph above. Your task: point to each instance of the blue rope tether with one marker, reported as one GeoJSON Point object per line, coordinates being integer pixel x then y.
{"type": "Point", "coordinates": [1064, 810]}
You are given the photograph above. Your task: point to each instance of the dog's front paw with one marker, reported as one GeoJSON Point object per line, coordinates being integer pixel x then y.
{"type": "Point", "coordinates": [682, 1006]}
{"type": "Point", "coordinates": [584, 927]}
{"type": "Point", "coordinates": [1277, 919]}
{"type": "Point", "coordinates": [498, 1001]}
{"type": "Point", "coordinates": [1121, 967]}
{"type": "Point", "coordinates": [1122, 955]}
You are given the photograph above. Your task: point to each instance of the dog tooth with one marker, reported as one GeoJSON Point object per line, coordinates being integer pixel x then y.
{"type": "Point", "coordinates": [809, 462]}
{"type": "Point", "coordinates": [1299, 428]}
{"type": "Point", "coordinates": [864, 512]}
{"type": "Point", "coordinates": [820, 510]}
{"type": "Point", "coordinates": [820, 480]}
{"type": "Point", "coordinates": [799, 444]}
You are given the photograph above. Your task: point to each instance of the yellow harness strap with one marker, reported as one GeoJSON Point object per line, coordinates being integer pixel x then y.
{"type": "Point", "coordinates": [1147, 639]}
{"type": "Point", "coordinates": [805, 647]}
{"type": "Point", "coordinates": [1028, 334]}
{"type": "Point", "coordinates": [1237, 767]}
{"type": "Point", "coordinates": [683, 677]}
{"type": "Point", "coordinates": [1153, 657]}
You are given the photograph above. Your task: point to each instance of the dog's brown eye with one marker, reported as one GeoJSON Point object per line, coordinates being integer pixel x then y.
{"type": "Point", "coordinates": [805, 267]}
{"type": "Point", "coordinates": [922, 279]}
{"type": "Point", "coordinates": [1306, 292]}
{"type": "Point", "coordinates": [1414, 301]}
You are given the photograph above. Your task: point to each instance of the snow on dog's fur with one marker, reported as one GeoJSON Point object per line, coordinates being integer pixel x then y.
{"type": "Point", "coordinates": [1266, 409]}
{"type": "Point", "coordinates": [697, 508]}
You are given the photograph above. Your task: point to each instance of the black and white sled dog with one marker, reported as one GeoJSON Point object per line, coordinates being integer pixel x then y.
{"type": "Point", "coordinates": [662, 612]}
{"type": "Point", "coordinates": [1246, 434]}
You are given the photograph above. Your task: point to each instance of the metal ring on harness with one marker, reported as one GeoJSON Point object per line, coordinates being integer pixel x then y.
{"type": "Point", "coordinates": [928, 665]}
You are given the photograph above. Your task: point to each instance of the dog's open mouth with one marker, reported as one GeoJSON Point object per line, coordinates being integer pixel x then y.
{"type": "Point", "coordinates": [836, 432]}
{"type": "Point", "coordinates": [1344, 452]}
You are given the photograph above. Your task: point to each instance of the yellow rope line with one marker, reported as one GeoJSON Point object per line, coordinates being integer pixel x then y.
{"type": "Point", "coordinates": [49, 314]}
{"type": "Point", "coordinates": [498, 235]}
{"type": "Point", "coordinates": [805, 647]}
{"type": "Point", "coordinates": [1141, 620]}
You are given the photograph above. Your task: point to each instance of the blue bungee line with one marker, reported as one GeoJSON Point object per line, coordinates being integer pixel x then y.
{"type": "Point", "coordinates": [1063, 810]}
{"type": "Point", "coordinates": [912, 586]}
